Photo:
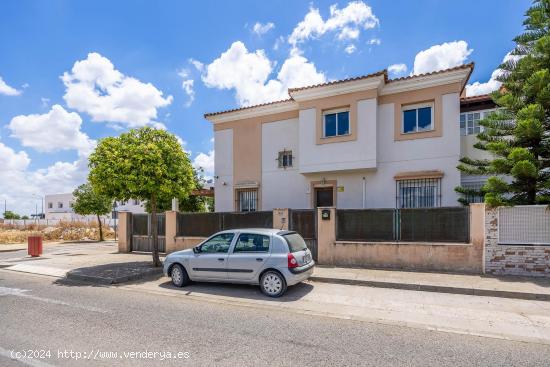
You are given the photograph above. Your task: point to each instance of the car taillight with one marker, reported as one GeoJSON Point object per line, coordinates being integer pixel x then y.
{"type": "Point", "coordinates": [292, 263]}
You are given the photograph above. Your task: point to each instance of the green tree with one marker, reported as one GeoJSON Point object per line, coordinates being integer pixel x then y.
{"type": "Point", "coordinates": [8, 214]}
{"type": "Point", "coordinates": [25, 217]}
{"type": "Point", "coordinates": [89, 202]}
{"type": "Point", "coordinates": [518, 134]}
{"type": "Point", "coordinates": [145, 164]}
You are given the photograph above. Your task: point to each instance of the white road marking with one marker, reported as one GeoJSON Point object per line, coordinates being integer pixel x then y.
{"type": "Point", "coordinates": [28, 361]}
{"type": "Point", "coordinates": [18, 292]}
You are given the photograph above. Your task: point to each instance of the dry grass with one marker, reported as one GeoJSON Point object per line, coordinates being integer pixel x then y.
{"type": "Point", "coordinates": [63, 231]}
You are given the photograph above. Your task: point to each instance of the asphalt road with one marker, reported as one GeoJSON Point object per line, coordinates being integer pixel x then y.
{"type": "Point", "coordinates": [82, 324]}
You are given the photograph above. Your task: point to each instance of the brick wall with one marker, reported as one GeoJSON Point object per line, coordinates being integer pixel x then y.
{"type": "Point", "coordinates": [512, 259]}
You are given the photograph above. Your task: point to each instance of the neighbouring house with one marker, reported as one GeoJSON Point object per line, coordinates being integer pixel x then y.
{"type": "Point", "coordinates": [365, 142]}
{"type": "Point", "coordinates": [59, 206]}
{"type": "Point", "coordinates": [472, 110]}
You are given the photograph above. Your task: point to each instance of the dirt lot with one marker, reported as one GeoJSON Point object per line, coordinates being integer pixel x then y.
{"type": "Point", "coordinates": [64, 231]}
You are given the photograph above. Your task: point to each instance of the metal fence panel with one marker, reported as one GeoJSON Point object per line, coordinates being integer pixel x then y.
{"type": "Point", "coordinates": [303, 221]}
{"type": "Point", "coordinates": [198, 224]}
{"type": "Point", "coordinates": [365, 224]}
{"type": "Point", "coordinates": [524, 225]}
{"type": "Point", "coordinates": [161, 224]}
{"type": "Point", "coordinates": [263, 219]}
{"type": "Point", "coordinates": [140, 224]}
{"type": "Point", "coordinates": [435, 224]}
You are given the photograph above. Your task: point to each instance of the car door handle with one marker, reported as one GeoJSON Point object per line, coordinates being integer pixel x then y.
{"type": "Point", "coordinates": [221, 259]}
{"type": "Point", "coordinates": [259, 259]}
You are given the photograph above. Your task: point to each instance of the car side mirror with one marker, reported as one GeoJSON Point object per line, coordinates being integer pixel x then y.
{"type": "Point", "coordinates": [196, 249]}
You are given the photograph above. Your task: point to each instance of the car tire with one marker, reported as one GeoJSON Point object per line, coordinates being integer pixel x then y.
{"type": "Point", "coordinates": [273, 284]}
{"type": "Point", "coordinates": [179, 276]}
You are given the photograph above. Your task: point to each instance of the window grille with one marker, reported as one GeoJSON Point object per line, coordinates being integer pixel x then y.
{"type": "Point", "coordinates": [247, 200]}
{"type": "Point", "coordinates": [418, 193]}
{"type": "Point", "coordinates": [285, 159]}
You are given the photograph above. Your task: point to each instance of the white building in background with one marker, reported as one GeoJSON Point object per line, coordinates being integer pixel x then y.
{"type": "Point", "coordinates": [59, 206]}
{"type": "Point", "coordinates": [366, 142]}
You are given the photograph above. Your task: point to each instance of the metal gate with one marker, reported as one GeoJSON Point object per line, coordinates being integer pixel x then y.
{"type": "Point", "coordinates": [304, 221]}
{"type": "Point", "coordinates": [141, 232]}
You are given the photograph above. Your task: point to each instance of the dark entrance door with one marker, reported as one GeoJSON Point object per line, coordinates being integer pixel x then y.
{"type": "Point", "coordinates": [324, 196]}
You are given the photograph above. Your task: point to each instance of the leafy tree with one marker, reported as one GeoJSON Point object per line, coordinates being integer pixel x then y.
{"type": "Point", "coordinates": [518, 134]}
{"type": "Point", "coordinates": [8, 214]}
{"type": "Point", "coordinates": [145, 164]}
{"type": "Point", "coordinates": [89, 202]}
{"type": "Point", "coordinates": [25, 217]}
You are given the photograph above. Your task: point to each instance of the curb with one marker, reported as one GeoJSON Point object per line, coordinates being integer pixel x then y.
{"type": "Point", "coordinates": [76, 275]}
{"type": "Point", "coordinates": [435, 288]}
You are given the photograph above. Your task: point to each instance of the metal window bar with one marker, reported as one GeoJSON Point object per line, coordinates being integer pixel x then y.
{"type": "Point", "coordinates": [247, 200]}
{"type": "Point", "coordinates": [418, 193]}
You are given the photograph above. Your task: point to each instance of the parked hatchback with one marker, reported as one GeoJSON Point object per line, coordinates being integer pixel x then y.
{"type": "Point", "coordinates": [272, 258]}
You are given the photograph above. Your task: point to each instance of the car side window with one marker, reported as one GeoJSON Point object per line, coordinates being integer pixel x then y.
{"type": "Point", "coordinates": [217, 244]}
{"type": "Point", "coordinates": [249, 242]}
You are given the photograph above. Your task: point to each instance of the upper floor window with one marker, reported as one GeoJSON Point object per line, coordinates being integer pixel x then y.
{"type": "Point", "coordinates": [417, 118]}
{"type": "Point", "coordinates": [469, 122]}
{"type": "Point", "coordinates": [336, 123]}
{"type": "Point", "coordinates": [50, 205]}
{"type": "Point", "coordinates": [60, 205]}
{"type": "Point", "coordinates": [285, 159]}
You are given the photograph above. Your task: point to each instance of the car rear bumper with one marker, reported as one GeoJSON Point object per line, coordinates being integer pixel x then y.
{"type": "Point", "coordinates": [297, 275]}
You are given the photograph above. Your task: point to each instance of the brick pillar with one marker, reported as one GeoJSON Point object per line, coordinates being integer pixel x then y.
{"type": "Point", "coordinates": [280, 218]}
{"type": "Point", "coordinates": [171, 230]}
{"type": "Point", "coordinates": [477, 232]}
{"type": "Point", "coordinates": [326, 235]}
{"type": "Point", "coordinates": [124, 231]}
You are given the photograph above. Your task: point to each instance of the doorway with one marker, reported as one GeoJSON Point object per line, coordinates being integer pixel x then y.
{"type": "Point", "coordinates": [324, 196]}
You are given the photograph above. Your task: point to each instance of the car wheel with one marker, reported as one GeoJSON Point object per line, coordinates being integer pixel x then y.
{"type": "Point", "coordinates": [272, 284]}
{"type": "Point", "coordinates": [179, 276]}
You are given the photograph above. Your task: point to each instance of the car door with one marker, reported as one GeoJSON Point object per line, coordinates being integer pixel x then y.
{"type": "Point", "coordinates": [248, 256]}
{"type": "Point", "coordinates": [210, 261]}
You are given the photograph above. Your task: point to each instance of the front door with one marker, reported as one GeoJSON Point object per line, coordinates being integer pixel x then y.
{"type": "Point", "coordinates": [324, 196]}
{"type": "Point", "coordinates": [248, 257]}
{"type": "Point", "coordinates": [210, 262]}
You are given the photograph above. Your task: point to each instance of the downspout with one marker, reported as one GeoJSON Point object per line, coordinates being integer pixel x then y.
{"type": "Point", "coordinates": [364, 193]}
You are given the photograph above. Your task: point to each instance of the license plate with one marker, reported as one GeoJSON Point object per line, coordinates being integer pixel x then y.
{"type": "Point", "coordinates": [307, 258]}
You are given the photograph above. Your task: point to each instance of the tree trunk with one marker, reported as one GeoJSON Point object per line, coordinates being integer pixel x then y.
{"type": "Point", "coordinates": [100, 228]}
{"type": "Point", "coordinates": [154, 232]}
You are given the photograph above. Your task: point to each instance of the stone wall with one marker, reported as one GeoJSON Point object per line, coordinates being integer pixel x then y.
{"type": "Point", "coordinates": [512, 259]}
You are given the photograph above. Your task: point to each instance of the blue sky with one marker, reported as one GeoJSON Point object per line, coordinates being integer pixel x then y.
{"type": "Point", "coordinates": [162, 64]}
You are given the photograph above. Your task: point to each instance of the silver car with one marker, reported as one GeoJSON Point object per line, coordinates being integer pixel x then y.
{"type": "Point", "coordinates": [272, 258]}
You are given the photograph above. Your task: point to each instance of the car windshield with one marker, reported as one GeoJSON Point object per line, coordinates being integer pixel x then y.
{"type": "Point", "coordinates": [295, 242]}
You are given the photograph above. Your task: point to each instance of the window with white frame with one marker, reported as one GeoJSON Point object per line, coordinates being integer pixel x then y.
{"type": "Point", "coordinates": [336, 123]}
{"type": "Point", "coordinates": [417, 118]}
{"type": "Point", "coordinates": [418, 193]}
{"type": "Point", "coordinates": [247, 200]}
{"type": "Point", "coordinates": [285, 159]}
{"type": "Point", "coordinates": [469, 122]}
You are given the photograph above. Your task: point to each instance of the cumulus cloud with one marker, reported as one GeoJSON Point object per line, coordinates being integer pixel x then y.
{"type": "Point", "coordinates": [350, 49]}
{"type": "Point", "coordinates": [248, 74]}
{"type": "Point", "coordinates": [261, 29]}
{"type": "Point", "coordinates": [396, 69]}
{"type": "Point", "coordinates": [374, 41]}
{"type": "Point", "coordinates": [477, 88]}
{"type": "Point", "coordinates": [52, 131]}
{"type": "Point", "coordinates": [95, 87]}
{"type": "Point", "coordinates": [443, 56]}
{"type": "Point", "coordinates": [5, 89]}
{"type": "Point", "coordinates": [187, 86]}
{"type": "Point", "coordinates": [205, 162]}
{"type": "Point", "coordinates": [347, 23]}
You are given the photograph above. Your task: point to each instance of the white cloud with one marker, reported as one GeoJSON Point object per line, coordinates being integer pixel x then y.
{"type": "Point", "coordinates": [5, 89]}
{"type": "Point", "coordinates": [443, 56]}
{"type": "Point", "coordinates": [346, 22]}
{"type": "Point", "coordinates": [248, 74]}
{"type": "Point", "coordinates": [374, 41]}
{"type": "Point", "coordinates": [187, 86]}
{"type": "Point", "coordinates": [197, 64]}
{"type": "Point", "coordinates": [205, 162]}
{"type": "Point", "coordinates": [396, 69]}
{"type": "Point", "coordinates": [261, 29]}
{"type": "Point", "coordinates": [478, 88]}
{"type": "Point", "coordinates": [45, 102]}
{"type": "Point", "coordinates": [95, 87]}
{"type": "Point", "coordinates": [350, 49]}
{"type": "Point", "coordinates": [53, 131]}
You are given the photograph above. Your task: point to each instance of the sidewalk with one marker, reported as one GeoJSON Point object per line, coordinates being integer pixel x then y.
{"type": "Point", "coordinates": [476, 285]}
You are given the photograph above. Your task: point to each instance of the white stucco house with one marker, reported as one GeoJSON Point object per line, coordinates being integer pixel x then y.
{"type": "Point", "coordinates": [59, 206]}
{"type": "Point", "coordinates": [365, 142]}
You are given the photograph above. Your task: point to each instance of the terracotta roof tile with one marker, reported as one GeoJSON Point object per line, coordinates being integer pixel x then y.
{"type": "Point", "coordinates": [247, 107]}
{"type": "Point", "coordinates": [480, 98]}
{"type": "Point", "coordinates": [463, 66]}
{"type": "Point", "coordinates": [378, 73]}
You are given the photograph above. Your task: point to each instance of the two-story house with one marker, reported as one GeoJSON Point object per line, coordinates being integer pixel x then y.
{"type": "Point", "coordinates": [365, 142]}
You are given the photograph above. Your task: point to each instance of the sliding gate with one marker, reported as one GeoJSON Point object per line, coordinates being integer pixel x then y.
{"type": "Point", "coordinates": [304, 221]}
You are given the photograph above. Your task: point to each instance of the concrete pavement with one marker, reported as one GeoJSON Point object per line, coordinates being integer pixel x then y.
{"type": "Point", "coordinates": [103, 325]}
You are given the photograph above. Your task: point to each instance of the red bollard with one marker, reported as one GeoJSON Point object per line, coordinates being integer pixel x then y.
{"type": "Point", "coordinates": [34, 246]}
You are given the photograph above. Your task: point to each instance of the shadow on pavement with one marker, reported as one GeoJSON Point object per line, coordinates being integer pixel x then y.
{"type": "Point", "coordinates": [240, 291]}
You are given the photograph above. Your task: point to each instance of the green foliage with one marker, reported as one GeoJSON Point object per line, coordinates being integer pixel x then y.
{"type": "Point", "coordinates": [8, 214]}
{"type": "Point", "coordinates": [25, 217]}
{"type": "Point", "coordinates": [518, 134]}
{"type": "Point", "coordinates": [88, 201]}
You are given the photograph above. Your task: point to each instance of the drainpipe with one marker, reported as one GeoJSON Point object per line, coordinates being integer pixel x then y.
{"type": "Point", "coordinates": [364, 193]}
